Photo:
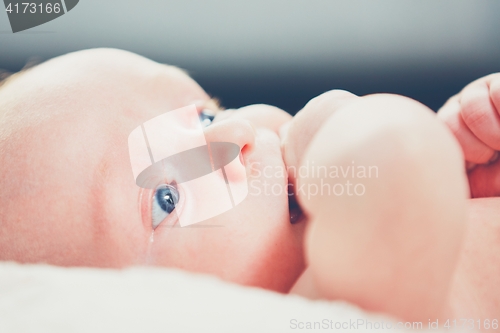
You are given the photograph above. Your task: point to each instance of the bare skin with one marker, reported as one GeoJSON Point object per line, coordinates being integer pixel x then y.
{"type": "Point", "coordinates": [473, 117]}
{"type": "Point", "coordinates": [460, 238]}
{"type": "Point", "coordinates": [414, 202]}
{"type": "Point", "coordinates": [68, 196]}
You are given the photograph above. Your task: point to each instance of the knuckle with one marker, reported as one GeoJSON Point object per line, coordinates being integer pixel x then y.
{"type": "Point", "coordinates": [328, 98]}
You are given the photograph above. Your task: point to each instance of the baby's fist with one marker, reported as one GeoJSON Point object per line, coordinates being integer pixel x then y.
{"type": "Point", "coordinates": [298, 133]}
{"type": "Point", "coordinates": [473, 116]}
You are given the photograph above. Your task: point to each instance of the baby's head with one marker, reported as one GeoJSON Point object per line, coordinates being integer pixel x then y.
{"type": "Point", "coordinates": [69, 196]}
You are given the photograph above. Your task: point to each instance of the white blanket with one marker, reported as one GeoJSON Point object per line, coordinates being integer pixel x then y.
{"type": "Point", "coordinates": [41, 298]}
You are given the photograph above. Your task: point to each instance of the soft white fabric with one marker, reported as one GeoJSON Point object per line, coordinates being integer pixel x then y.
{"type": "Point", "coordinates": [41, 298]}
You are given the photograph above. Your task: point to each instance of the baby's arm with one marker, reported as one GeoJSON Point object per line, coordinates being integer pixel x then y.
{"type": "Point", "coordinates": [386, 237]}
{"type": "Point", "coordinates": [473, 116]}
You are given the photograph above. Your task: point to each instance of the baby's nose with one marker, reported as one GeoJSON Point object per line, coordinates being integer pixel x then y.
{"type": "Point", "coordinates": [238, 131]}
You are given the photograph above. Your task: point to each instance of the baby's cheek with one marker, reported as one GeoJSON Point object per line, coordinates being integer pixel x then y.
{"type": "Point", "coordinates": [253, 244]}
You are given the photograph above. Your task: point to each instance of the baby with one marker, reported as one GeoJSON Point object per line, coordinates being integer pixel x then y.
{"type": "Point", "coordinates": [404, 238]}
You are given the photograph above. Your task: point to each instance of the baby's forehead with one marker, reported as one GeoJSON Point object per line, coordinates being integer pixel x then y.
{"type": "Point", "coordinates": [97, 83]}
{"type": "Point", "coordinates": [111, 69]}
{"type": "Point", "coordinates": [64, 126]}
{"type": "Point", "coordinates": [92, 98]}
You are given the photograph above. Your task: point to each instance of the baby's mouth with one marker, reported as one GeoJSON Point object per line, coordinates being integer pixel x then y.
{"type": "Point", "coordinates": [294, 210]}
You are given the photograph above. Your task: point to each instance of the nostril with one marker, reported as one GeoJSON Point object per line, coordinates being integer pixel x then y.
{"type": "Point", "coordinates": [247, 137]}
{"type": "Point", "coordinates": [237, 131]}
{"type": "Point", "coordinates": [245, 150]}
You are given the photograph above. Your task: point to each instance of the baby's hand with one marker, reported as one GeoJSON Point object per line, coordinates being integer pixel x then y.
{"type": "Point", "coordinates": [473, 115]}
{"type": "Point", "coordinates": [298, 133]}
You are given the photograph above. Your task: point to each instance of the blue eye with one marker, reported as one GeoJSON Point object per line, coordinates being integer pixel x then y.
{"type": "Point", "coordinates": [206, 117]}
{"type": "Point", "coordinates": [164, 201]}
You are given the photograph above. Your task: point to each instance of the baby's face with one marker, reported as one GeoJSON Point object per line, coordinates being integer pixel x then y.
{"type": "Point", "coordinates": [69, 196]}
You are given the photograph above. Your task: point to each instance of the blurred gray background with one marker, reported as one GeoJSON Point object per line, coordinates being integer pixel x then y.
{"type": "Point", "coordinates": [285, 52]}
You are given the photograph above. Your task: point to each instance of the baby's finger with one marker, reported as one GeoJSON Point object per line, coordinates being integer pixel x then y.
{"type": "Point", "coordinates": [475, 151]}
{"type": "Point", "coordinates": [480, 114]}
{"type": "Point", "coordinates": [495, 90]}
{"type": "Point", "coordinates": [484, 181]}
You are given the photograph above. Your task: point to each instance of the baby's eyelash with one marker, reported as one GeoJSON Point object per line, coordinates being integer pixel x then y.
{"type": "Point", "coordinates": [213, 105]}
{"type": "Point", "coordinates": [208, 111]}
